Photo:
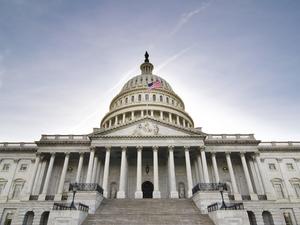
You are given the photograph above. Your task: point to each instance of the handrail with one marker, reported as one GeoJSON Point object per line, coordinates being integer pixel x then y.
{"type": "Point", "coordinates": [86, 187]}
{"type": "Point", "coordinates": [209, 187]}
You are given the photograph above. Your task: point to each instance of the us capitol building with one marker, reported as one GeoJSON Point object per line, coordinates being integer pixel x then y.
{"type": "Point", "coordinates": [149, 164]}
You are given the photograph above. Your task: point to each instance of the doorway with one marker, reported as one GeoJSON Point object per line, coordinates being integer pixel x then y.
{"type": "Point", "coordinates": [147, 188]}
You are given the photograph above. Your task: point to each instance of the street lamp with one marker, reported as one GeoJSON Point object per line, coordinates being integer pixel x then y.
{"type": "Point", "coordinates": [221, 189]}
{"type": "Point", "coordinates": [74, 189]}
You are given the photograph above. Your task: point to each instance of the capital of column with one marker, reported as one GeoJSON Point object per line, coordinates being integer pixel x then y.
{"type": "Point", "coordinates": [171, 147]}
{"type": "Point", "coordinates": [81, 153]}
{"type": "Point", "coordinates": [187, 148]}
{"type": "Point", "coordinates": [139, 148]}
{"type": "Point", "coordinates": [92, 148]}
{"type": "Point", "coordinates": [242, 154]}
{"type": "Point", "coordinates": [213, 154]}
{"type": "Point", "coordinates": [155, 148]}
{"type": "Point", "coordinates": [107, 148]}
{"type": "Point", "coordinates": [227, 153]}
{"type": "Point", "coordinates": [202, 148]}
{"type": "Point", "coordinates": [67, 154]}
{"type": "Point", "coordinates": [52, 154]}
{"type": "Point", "coordinates": [124, 148]}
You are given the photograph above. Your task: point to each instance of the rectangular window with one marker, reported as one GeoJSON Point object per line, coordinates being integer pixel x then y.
{"type": "Point", "coordinates": [290, 166]}
{"type": "Point", "coordinates": [17, 191]}
{"type": "Point", "coordinates": [5, 167]}
{"type": "Point", "coordinates": [297, 189]}
{"type": "Point", "coordinates": [2, 186]}
{"type": "Point", "coordinates": [23, 167]}
{"type": "Point", "coordinates": [279, 191]}
{"type": "Point", "coordinates": [272, 166]}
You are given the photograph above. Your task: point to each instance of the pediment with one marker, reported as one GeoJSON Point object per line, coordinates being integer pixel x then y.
{"type": "Point", "coordinates": [148, 127]}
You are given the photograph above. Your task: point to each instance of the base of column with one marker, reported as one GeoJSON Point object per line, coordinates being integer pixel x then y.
{"type": "Point", "coordinates": [105, 194]}
{"type": "Point", "coordinates": [138, 194]}
{"type": "Point", "coordinates": [253, 196]}
{"type": "Point", "coordinates": [270, 196]}
{"type": "Point", "coordinates": [25, 197]}
{"type": "Point", "coordinates": [237, 196]}
{"type": "Point", "coordinates": [57, 197]}
{"type": "Point", "coordinates": [174, 194]}
{"type": "Point", "coordinates": [189, 194]}
{"type": "Point", "coordinates": [156, 194]}
{"type": "Point", "coordinates": [121, 194]}
{"type": "Point", "coordinates": [42, 197]}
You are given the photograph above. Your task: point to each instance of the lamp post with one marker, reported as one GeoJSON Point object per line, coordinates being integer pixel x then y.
{"type": "Point", "coordinates": [221, 189]}
{"type": "Point", "coordinates": [74, 189]}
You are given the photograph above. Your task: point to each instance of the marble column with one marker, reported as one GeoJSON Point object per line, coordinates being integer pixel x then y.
{"type": "Point", "coordinates": [110, 122]}
{"type": "Point", "coordinates": [121, 192]}
{"type": "Point", "coordinates": [188, 171]}
{"type": "Point", "coordinates": [236, 193]}
{"type": "Point", "coordinates": [201, 176]}
{"type": "Point", "coordinates": [90, 166]}
{"type": "Point", "coordinates": [132, 115]}
{"type": "Point", "coordinates": [156, 191]}
{"type": "Point", "coordinates": [138, 193]}
{"type": "Point", "coordinates": [79, 168]}
{"type": "Point", "coordinates": [124, 117]}
{"type": "Point", "coordinates": [106, 172]}
{"type": "Point", "coordinates": [116, 120]}
{"type": "Point", "coordinates": [215, 166]}
{"type": "Point", "coordinates": [177, 120]}
{"type": "Point", "coordinates": [95, 168]}
{"type": "Point", "coordinates": [204, 165]}
{"type": "Point", "coordinates": [183, 122]}
{"type": "Point", "coordinates": [170, 117]}
{"type": "Point", "coordinates": [47, 179]}
{"type": "Point", "coordinates": [152, 113]}
{"type": "Point", "coordinates": [161, 115]}
{"type": "Point", "coordinates": [289, 189]}
{"type": "Point", "coordinates": [265, 181]}
{"type": "Point", "coordinates": [253, 196]}
{"type": "Point", "coordinates": [33, 176]}
{"type": "Point", "coordinates": [62, 177]}
{"type": "Point", "coordinates": [172, 178]}
{"type": "Point", "coordinates": [98, 171]}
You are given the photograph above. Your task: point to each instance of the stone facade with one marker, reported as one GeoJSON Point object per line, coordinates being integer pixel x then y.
{"type": "Point", "coordinates": [147, 147]}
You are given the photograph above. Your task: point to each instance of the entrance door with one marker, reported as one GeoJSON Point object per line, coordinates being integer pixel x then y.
{"type": "Point", "coordinates": [147, 188]}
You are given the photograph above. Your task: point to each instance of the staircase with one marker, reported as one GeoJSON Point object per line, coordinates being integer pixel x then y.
{"type": "Point", "coordinates": [147, 212]}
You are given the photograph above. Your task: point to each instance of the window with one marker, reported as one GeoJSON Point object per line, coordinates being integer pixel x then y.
{"type": "Point", "coordinates": [147, 97]}
{"type": "Point", "coordinates": [287, 218]}
{"type": "Point", "coordinates": [17, 191]}
{"type": "Point", "coordinates": [290, 166]}
{"type": "Point", "coordinates": [167, 99]}
{"type": "Point", "coordinates": [279, 191]}
{"type": "Point", "coordinates": [23, 167]}
{"type": "Point", "coordinates": [132, 98]}
{"type": "Point", "coordinates": [154, 98]}
{"type": "Point", "coordinates": [5, 167]}
{"type": "Point", "coordinates": [172, 102]}
{"type": "Point", "coordinates": [272, 166]}
{"type": "Point", "coordinates": [2, 185]}
{"type": "Point", "coordinates": [140, 98]}
{"type": "Point", "coordinates": [296, 187]}
{"type": "Point", "coordinates": [161, 98]}
{"type": "Point", "coordinates": [126, 100]}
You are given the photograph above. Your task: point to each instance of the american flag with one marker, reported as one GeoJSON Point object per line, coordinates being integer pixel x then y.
{"type": "Point", "coordinates": [154, 85]}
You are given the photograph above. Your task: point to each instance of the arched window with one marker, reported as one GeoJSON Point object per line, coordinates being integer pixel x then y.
{"type": "Point", "coordinates": [295, 182]}
{"type": "Point", "coordinates": [44, 218]}
{"type": "Point", "coordinates": [126, 100]}
{"type": "Point", "coordinates": [161, 98]}
{"type": "Point", "coordinates": [252, 218]}
{"type": "Point", "coordinates": [267, 218]}
{"type": "Point", "coordinates": [132, 98]}
{"type": "Point", "coordinates": [2, 184]}
{"type": "Point", "coordinates": [147, 97]}
{"type": "Point", "coordinates": [140, 98]}
{"type": "Point", "coordinates": [172, 102]}
{"type": "Point", "coordinates": [167, 99]}
{"type": "Point", "coordinates": [28, 218]}
{"type": "Point", "coordinates": [154, 98]}
{"type": "Point", "coordinates": [17, 188]}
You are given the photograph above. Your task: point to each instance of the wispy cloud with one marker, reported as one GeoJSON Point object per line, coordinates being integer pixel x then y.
{"type": "Point", "coordinates": [2, 70]}
{"type": "Point", "coordinates": [186, 17]}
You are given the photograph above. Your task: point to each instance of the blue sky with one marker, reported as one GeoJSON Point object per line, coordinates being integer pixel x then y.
{"type": "Point", "coordinates": [235, 63]}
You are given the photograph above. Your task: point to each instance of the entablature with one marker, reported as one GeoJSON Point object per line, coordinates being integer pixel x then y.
{"type": "Point", "coordinates": [279, 146]}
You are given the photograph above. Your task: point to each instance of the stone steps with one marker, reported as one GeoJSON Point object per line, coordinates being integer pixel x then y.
{"type": "Point", "coordinates": [148, 212]}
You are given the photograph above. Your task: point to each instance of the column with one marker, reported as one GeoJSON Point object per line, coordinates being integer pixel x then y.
{"type": "Point", "coordinates": [236, 193]}
{"type": "Point", "coordinates": [265, 181]}
{"type": "Point", "coordinates": [95, 168]}
{"type": "Point", "coordinates": [172, 178]}
{"type": "Point", "coordinates": [142, 113]}
{"type": "Point", "coordinates": [170, 117]}
{"type": "Point", "coordinates": [156, 191]}
{"type": "Point", "coordinates": [121, 192]}
{"type": "Point", "coordinates": [110, 122]}
{"type": "Point", "coordinates": [79, 168]}
{"type": "Point", "coordinates": [98, 171]}
{"type": "Point", "coordinates": [132, 115]}
{"type": "Point", "coordinates": [161, 115]}
{"type": "Point", "coordinates": [138, 193]}
{"type": "Point", "coordinates": [253, 196]}
{"type": "Point", "coordinates": [183, 122]}
{"type": "Point", "coordinates": [177, 120]}
{"type": "Point", "coordinates": [35, 168]}
{"type": "Point", "coordinates": [204, 165]}
{"type": "Point", "coordinates": [47, 179]}
{"type": "Point", "coordinates": [188, 171]}
{"type": "Point", "coordinates": [116, 120]}
{"type": "Point", "coordinates": [62, 178]}
{"type": "Point", "coordinates": [124, 117]}
{"type": "Point", "coordinates": [152, 113]}
{"type": "Point", "coordinates": [196, 173]}
{"type": "Point", "coordinates": [106, 172]}
{"type": "Point", "coordinates": [215, 166]}
{"type": "Point", "coordinates": [90, 166]}
{"type": "Point", "coordinates": [201, 176]}
{"type": "Point", "coordinates": [285, 178]}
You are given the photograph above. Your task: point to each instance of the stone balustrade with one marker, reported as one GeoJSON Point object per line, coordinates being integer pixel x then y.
{"type": "Point", "coordinates": [230, 136]}
{"type": "Point", "coordinates": [18, 145]}
{"type": "Point", "coordinates": [64, 137]}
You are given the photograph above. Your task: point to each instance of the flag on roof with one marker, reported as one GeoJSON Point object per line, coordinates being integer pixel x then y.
{"type": "Point", "coordinates": [154, 85]}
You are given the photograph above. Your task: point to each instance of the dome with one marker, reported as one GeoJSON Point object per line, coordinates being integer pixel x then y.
{"type": "Point", "coordinates": [136, 101]}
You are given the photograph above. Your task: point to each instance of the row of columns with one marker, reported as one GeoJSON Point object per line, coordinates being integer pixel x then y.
{"type": "Point", "coordinates": [114, 121]}
{"type": "Point", "coordinates": [93, 168]}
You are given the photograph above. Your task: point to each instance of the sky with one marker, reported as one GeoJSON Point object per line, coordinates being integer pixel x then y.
{"type": "Point", "coordinates": [235, 63]}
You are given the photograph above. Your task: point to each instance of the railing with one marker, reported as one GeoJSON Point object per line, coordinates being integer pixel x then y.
{"type": "Point", "coordinates": [279, 144]}
{"type": "Point", "coordinates": [86, 187]}
{"type": "Point", "coordinates": [18, 145]}
{"type": "Point", "coordinates": [80, 207]}
{"type": "Point", "coordinates": [246, 197]}
{"type": "Point", "coordinates": [65, 137]}
{"type": "Point", "coordinates": [231, 197]}
{"type": "Point", "coordinates": [33, 197]}
{"type": "Point", "coordinates": [64, 197]}
{"type": "Point", "coordinates": [49, 197]}
{"type": "Point", "coordinates": [209, 187]}
{"type": "Point", "coordinates": [230, 136]}
{"type": "Point", "coordinates": [216, 206]}
{"type": "Point", "coordinates": [262, 197]}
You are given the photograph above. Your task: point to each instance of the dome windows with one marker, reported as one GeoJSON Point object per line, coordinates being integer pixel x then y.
{"type": "Point", "coordinates": [161, 98]}
{"type": "Point", "coordinates": [167, 100]}
{"type": "Point", "coordinates": [147, 97]}
{"type": "Point", "coordinates": [154, 98]}
{"type": "Point", "coordinates": [126, 100]}
{"type": "Point", "coordinates": [132, 98]}
{"type": "Point", "coordinates": [139, 97]}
